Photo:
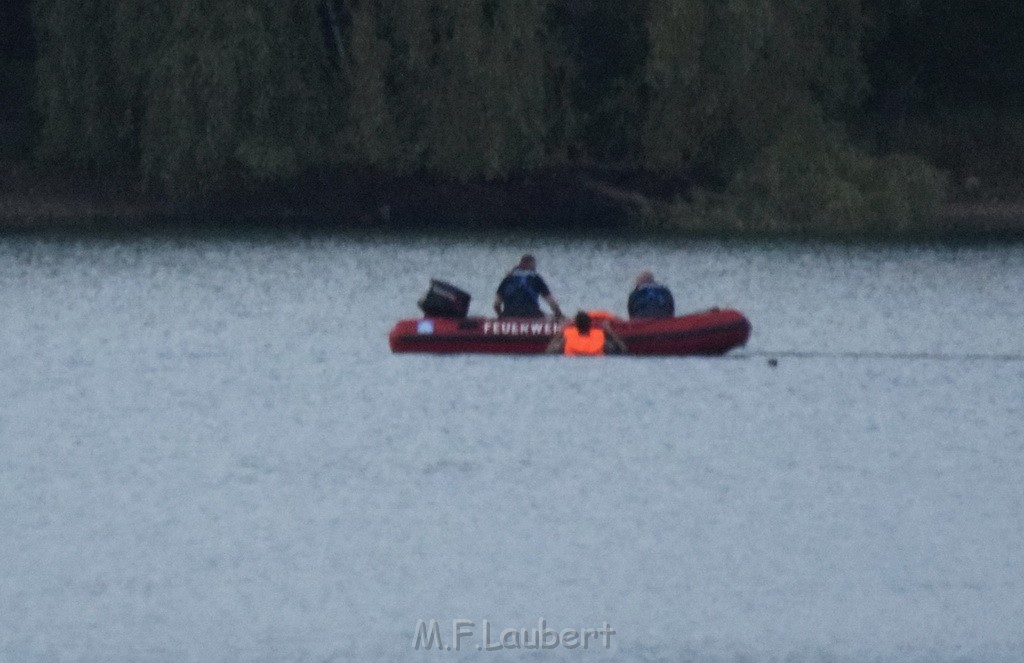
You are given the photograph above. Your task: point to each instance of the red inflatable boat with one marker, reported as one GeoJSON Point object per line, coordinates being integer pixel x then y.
{"type": "Point", "coordinates": [710, 332]}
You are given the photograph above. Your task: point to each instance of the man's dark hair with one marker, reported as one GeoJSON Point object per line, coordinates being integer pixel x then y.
{"type": "Point", "coordinates": [583, 322]}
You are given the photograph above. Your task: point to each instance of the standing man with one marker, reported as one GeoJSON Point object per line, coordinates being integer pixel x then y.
{"type": "Point", "coordinates": [519, 291]}
{"type": "Point", "coordinates": [650, 299]}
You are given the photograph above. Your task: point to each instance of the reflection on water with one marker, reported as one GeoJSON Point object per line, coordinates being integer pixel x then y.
{"type": "Point", "coordinates": [207, 453]}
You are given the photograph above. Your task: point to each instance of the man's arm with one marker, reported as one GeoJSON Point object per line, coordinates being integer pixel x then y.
{"type": "Point", "coordinates": [557, 345]}
{"type": "Point", "coordinates": [550, 299]}
{"type": "Point", "coordinates": [612, 340]}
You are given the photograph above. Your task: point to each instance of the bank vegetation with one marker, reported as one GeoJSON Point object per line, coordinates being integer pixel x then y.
{"type": "Point", "coordinates": [740, 116]}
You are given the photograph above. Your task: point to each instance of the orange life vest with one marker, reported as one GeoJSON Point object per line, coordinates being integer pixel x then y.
{"type": "Point", "coordinates": [578, 344]}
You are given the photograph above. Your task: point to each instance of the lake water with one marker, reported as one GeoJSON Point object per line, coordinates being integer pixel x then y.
{"type": "Point", "coordinates": [207, 453]}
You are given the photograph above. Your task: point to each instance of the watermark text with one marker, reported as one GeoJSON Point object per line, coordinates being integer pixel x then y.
{"type": "Point", "coordinates": [484, 636]}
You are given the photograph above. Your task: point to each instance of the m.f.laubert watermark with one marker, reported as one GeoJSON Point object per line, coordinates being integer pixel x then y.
{"type": "Point", "coordinates": [465, 633]}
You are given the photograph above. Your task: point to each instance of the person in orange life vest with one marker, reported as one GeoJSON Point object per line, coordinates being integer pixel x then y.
{"type": "Point", "coordinates": [583, 339]}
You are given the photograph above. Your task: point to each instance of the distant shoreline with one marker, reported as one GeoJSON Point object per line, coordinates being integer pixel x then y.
{"type": "Point", "coordinates": [34, 202]}
{"type": "Point", "coordinates": [982, 218]}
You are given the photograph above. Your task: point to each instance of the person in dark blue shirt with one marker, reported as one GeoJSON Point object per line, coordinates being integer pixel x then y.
{"type": "Point", "coordinates": [650, 299]}
{"type": "Point", "coordinates": [520, 290]}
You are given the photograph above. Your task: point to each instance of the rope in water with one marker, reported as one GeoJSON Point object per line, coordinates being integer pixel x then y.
{"type": "Point", "coordinates": [930, 356]}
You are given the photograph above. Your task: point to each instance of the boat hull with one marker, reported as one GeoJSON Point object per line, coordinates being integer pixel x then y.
{"type": "Point", "coordinates": [710, 332]}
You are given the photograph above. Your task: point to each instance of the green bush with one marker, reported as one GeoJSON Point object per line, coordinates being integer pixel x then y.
{"type": "Point", "coordinates": [812, 179]}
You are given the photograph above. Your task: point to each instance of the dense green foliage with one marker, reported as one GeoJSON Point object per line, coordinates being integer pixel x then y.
{"type": "Point", "coordinates": [753, 99]}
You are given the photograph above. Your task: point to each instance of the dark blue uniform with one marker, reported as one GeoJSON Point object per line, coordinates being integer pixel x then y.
{"type": "Point", "coordinates": [519, 292]}
{"type": "Point", "coordinates": [651, 300]}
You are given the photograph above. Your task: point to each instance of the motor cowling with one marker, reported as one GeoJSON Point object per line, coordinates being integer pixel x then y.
{"type": "Point", "coordinates": [443, 300]}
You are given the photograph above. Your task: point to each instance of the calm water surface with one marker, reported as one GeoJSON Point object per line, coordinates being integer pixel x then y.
{"type": "Point", "coordinates": [207, 453]}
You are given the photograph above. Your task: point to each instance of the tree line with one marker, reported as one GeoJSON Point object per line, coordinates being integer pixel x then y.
{"type": "Point", "coordinates": [762, 103]}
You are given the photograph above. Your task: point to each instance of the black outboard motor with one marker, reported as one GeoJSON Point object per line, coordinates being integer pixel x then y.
{"type": "Point", "coordinates": [443, 300]}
